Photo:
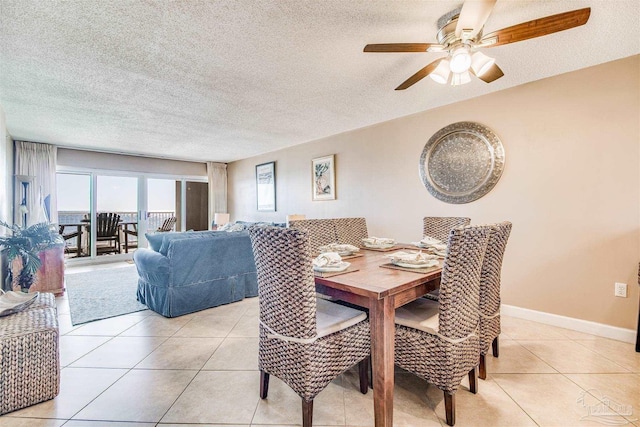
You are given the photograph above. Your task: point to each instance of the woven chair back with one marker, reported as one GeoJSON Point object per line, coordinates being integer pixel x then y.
{"type": "Point", "coordinates": [107, 224]}
{"type": "Point", "coordinates": [492, 267]}
{"type": "Point", "coordinates": [440, 226]}
{"type": "Point", "coordinates": [286, 286]}
{"type": "Point", "coordinates": [351, 230]}
{"type": "Point", "coordinates": [460, 281]}
{"type": "Point", "coordinates": [321, 232]}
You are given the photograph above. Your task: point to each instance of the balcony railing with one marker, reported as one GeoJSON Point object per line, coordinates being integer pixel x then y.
{"type": "Point", "coordinates": [155, 218]}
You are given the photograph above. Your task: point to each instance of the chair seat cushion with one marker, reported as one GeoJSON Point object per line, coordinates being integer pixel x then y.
{"type": "Point", "coordinates": [331, 318]}
{"type": "Point", "coordinates": [421, 314]}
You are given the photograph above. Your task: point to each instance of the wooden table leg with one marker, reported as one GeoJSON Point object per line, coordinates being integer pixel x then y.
{"type": "Point", "coordinates": [79, 242]}
{"type": "Point", "coordinates": [382, 320]}
{"type": "Point", "coordinates": [126, 239]}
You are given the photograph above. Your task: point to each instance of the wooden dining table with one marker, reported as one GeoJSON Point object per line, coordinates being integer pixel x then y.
{"type": "Point", "coordinates": [381, 290]}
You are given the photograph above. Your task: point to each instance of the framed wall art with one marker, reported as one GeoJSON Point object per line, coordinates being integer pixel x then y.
{"type": "Point", "coordinates": [266, 186]}
{"type": "Point", "coordinates": [324, 178]}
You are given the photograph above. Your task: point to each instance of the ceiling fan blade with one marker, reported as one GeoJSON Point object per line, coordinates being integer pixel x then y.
{"type": "Point", "coordinates": [397, 47]}
{"type": "Point", "coordinates": [472, 17]}
{"type": "Point", "coordinates": [537, 27]}
{"type": "Point", "coordinates": [493, 73]}
{"type": "Point", "coordinates": [424, 72]}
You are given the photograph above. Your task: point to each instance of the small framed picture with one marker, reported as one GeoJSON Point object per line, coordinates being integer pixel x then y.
{"type": "Point", "coordinates": [266, 186]}
{"type": "Point", "coordinates": [324, 178]}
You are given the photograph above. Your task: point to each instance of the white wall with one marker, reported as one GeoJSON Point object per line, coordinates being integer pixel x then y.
{"type": "Point", "coordinates": [570, 186]}
{"type": "Point", "coordinates": [6, 182]}
{"type": "Point", "coordinates": [6, 168]}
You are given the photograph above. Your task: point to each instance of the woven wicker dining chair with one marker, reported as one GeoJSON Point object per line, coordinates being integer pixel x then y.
{"type": "Point", "coordinates": [304, 341]}
{"type": "Point", "coordinates": [490, 292]}
{"type": "Point", "coordinates": [440, 226]}
{"type": "Point", "coordinates": [351, 230]}
{"type": "Point", "coordinates": [321, 232]}
{"type": "Point", "coordinates": [439, 341]}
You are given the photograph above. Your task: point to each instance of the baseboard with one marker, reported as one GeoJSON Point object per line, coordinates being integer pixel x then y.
{"type": "Point", "coordinates": [586, 326]}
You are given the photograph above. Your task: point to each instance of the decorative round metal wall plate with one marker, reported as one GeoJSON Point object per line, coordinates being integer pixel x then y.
{"type": "Point", "coordinates": [461, 162]}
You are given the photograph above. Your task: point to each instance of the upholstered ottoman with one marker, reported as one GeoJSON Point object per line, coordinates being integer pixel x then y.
{"type": "Point", "coordinates": [29, 355]}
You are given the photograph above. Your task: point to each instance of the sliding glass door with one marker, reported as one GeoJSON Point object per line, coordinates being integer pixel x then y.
{"type": "Point", "coordinates": [107, 215]}
{"type": "Point", "coordinates": [162, 207]}
{"type": "Point", "coordinates": [116, 219]}
{"type": "Point", "coordinates": [74, 212]}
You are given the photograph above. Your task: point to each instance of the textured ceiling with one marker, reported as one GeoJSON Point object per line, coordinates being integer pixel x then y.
{"type": "Point", "coordinates": [226, 80]}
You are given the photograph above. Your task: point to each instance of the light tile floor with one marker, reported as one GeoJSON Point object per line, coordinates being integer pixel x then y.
{"type": "Point", "coordinates": [144, 370]}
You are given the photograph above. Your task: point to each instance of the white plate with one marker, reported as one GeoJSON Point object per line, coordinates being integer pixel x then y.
{"type": "Point", "coordinates": [333, 268]}
{"type": "Point", "coordinates": [340, 249]}
{"type": "Point", "coordinates": [378, 246]}
{"type": "Point", "coordinates": [430, 263]}
{"type": "Point", "coordinates": [440, 247]}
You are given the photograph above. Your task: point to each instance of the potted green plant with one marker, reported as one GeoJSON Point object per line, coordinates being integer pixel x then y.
{"type": "Point", "coordinates": [27, 243]}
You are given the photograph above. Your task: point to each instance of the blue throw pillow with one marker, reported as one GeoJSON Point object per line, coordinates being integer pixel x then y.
{"type": "Point", "coordinates": [155, 240]}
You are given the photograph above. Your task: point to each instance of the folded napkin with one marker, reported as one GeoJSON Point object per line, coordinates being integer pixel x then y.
{"type": "Point", "coordinates": [339, 247]}
{"type": "Point", "coordinates": [327, 259]}
{"type": "Point", "coordinates": [378, 241]}
{"type": "Point", "coordinates": [431, 243]}
{"type": "Point", "coordinates": [428, 240]}
{"type": "Point", "coordinates": [411, 257]}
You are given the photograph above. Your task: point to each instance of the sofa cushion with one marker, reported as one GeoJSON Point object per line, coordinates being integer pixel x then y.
{"type": "Point", "coordinates": [155, 240]}
{"type": "Point", "coordinates": [169, 237]}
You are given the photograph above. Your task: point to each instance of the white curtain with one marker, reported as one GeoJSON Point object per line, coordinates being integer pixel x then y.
{"type": "Point", "coordinates": [35, 164]}
{"type": "Point", "coordinates": [217, 173]}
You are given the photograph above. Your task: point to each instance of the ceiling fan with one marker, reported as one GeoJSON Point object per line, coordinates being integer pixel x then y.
{"type": "Point", "coordinates": [460, 36]}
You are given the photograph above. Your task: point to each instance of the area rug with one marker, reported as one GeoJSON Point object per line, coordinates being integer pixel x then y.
{"type": "Point", "coordinates": [100, 294]}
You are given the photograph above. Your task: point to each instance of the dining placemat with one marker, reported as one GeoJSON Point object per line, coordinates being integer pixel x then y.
{"type": "Point", "coordinates": [334, 273]}
{"type": "Point", "coordinates": [392, 248]}
{"type": "Point", "coordinates": [413, 270]}
{"type": "Point", "coordinates": [355, 255]}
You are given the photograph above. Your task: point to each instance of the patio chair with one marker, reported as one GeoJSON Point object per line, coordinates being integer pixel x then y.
{"type": "Point", "coordinates": [68, 236]}
{"type": "Point", "coordinates": [304, 341]}
{"type": "Point", "coordinates": [130, 232]}
{"type": "Point", "coordinates": [439, 341]}
{"type": "Point", "coordinates": [168, 224]}
{"type": "Point", "coordinates": [108, 230]}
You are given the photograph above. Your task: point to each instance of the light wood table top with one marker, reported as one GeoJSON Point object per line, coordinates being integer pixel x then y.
{"type": "Point", "coordinates": [381, 290]}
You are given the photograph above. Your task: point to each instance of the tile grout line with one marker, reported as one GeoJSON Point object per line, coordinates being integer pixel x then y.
{"type": "Point", "coordinates": [603, 355]}
{"type": "Point", "coordinates": [514, 401]}
{"type": "Point", "coordinates": [589, 390]}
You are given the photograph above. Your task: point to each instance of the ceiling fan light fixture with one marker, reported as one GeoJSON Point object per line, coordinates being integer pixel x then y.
{"type": "Point", "coordinates": [460, 78]}
{"type": "Point", "coordinates": [481, 63]}
{"type": "Point", "coordinates": [460, 60]}
{"type": "Point", "coordinates": [441, 73]}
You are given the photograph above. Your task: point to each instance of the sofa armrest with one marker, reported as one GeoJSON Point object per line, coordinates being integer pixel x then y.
{"type": "Point", "coordinates": [152, 266]}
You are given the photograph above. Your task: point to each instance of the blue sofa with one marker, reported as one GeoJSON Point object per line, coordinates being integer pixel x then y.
{"type": "Point", "coordinates": [186, 272]}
